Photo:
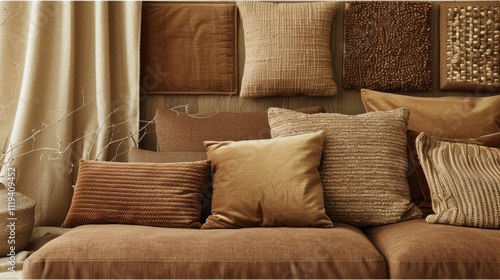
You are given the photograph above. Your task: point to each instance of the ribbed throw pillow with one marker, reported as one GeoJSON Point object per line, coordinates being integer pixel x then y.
{"type": "Point", "coordinates": [287, 48]}
{"type": "Point", "coordinates": [464, 180]}
{"type": "Point", "coordinates": [151, 194]}
{"type": "Point", "coordinates": [364, 163]}
{"type": "Point", "coordinates": [417, 181]}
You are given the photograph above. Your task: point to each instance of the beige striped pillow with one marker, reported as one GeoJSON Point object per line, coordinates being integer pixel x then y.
{"type": "Point", "coordinates": [287, 48]}
{"type": "Point", "coordinates": [464, 180]}
{"type": "Point", "coordinates": [150, 194]}
{"type": "Point", "coordinates": [364, 163]}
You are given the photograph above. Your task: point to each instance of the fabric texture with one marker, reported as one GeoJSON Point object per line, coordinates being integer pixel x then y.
{"type": "Point", "coordinates": [388, 46]}
{"type": "Point", "coordinates": [181, 132]}
{"type": "Point", "coordinates": [465, 43]}
{"type": "Point", "coordinates": [139, 252]}
{"type": "Point", "coordinates": [419, 250]}
{"type": "Point", "coordinates": [419, 189]}
{"type": "Point", "coordinates": [188, 48]}
{"type": "Point", "coordinates": [464, 182]}
{"type": "Point", "coordinates": [76, 97]}
{"type": "Point", "coordinates": [364, 163]}
{"type": "Point", "coordinates": [140, 155]}
{"type": "Point", "coordinates": [267, 183]}
{"type": "Point", "coordinates": [151, 194]}
{"type": "Point", "coordinates": [21, 212]}
{"type": "Point", "coordinates": [287, 48]}
{"type": "Point", "coordinates": [448, 117]}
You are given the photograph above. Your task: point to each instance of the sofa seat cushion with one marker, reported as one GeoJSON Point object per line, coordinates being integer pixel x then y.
{"type": "Point", "coordinates": [417, 249]}
{"type": "Point", "coordinates": [131, 251]}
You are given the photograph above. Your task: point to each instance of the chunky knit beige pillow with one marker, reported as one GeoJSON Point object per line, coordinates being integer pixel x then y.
{"type": "Point", "coordinates": [464, 180]}
{"type": "Point", "coordinates": [364, 163]}
{"type": "Point", "coordinates": [287, 48]}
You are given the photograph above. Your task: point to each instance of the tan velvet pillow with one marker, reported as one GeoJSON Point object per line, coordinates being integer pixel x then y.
{"type": "Point", "coordinates": [151, 194]}
{"type": "Point", "coordinates": [449, 117]}
{"type": "Point", "coordinates": [364, 163]}
{"type": "Point", "coordinates": [464, 180]}
{"type": "Point", "coordinates": [287, 48]}
{"type": "Point", "coordinates": [180, 132]}
{"type": "Point", "coordinates": [417, 181]}
{"type": "Point", "coordinates": [272, 182]}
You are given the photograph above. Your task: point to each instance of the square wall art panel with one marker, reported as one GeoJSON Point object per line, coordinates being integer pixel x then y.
{"type": "Point", "coordinates": [388, 46]}
{"type": "Point", "coordinates": [470, 46]}
{"type": "Point", "coordinates": [188, 48]}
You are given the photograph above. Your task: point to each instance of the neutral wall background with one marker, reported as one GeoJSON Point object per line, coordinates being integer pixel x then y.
{"type": "Point", "coordinates": [346, 101]}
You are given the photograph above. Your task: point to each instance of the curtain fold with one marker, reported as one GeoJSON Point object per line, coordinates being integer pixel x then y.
{"type": "Point", "coordinates": [77, 96]}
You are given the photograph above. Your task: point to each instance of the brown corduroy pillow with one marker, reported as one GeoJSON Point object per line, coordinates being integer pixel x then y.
{"type": "Point", "coordinates": [269, 182]}
{"type": "Point", "coordinates": [180, 132]}
{"type": "Point", "coordinates": [287, 48]}
{"type": "Point", "coordinates": [464, 182]}
{"type": "Point", "coordinates": [151, 194]}
{"type": "Point", "coordinates": [140, 155]}
{"type": "Point", "coordinates": [364, 163]}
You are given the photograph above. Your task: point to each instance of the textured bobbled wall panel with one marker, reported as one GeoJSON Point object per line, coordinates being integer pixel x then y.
{"type": "Point", "coordinates": [388, 46]}
{"type": "Point", "coordinates": [470, 46]}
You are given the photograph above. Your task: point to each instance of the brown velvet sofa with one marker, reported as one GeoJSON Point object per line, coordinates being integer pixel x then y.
{"type": "Point", "coordinates": [408, 249]}
{"type": "Point", "coordinates": [411, 249]}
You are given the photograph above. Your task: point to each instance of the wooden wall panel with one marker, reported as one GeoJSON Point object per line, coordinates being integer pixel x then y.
{"type": "Point", "coordinates": [346, 101]}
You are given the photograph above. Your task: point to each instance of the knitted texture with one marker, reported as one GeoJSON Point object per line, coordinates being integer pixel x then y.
{"type": "Point", "coordinates": [364, 163]}
{"type": "Point", "coordinates": [287, 48]}
{"type": "Point", "coordinates": [388, 46]}
{"type": "Point", "coordinates": [24, 215]}
{"type": "Point", "coordinates": [152, 194]}
{"type": "Point", "coordinates": [464, 180]}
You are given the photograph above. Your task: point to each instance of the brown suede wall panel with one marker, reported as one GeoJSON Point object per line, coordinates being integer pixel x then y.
{"type": "Point", "coordinates": [387, 46]}
{"type": "Point", "coordinates": [188, 48]}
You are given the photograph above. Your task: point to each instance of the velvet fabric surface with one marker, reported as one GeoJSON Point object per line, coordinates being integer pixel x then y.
{"type": "Point", "coordinates": [449, 117]}
{"type": "Point", "coordinates": [181, 132]}
{"type": "Point", "coordinates": [270, 182]}
{"type": "Point", "coordinates": [141, 252]}
{"type": "Point", "coordinates": [416, 249]}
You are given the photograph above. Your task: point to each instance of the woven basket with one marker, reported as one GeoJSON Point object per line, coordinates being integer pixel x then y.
{"type": "Point", "coordinates": [25, 218]}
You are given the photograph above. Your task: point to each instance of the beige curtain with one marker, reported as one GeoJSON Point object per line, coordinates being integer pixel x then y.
{"type": "Point", "coordinates": [70, 91]}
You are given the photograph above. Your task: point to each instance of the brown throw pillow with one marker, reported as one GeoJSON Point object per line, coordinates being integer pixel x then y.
{"type": "Point", "coordinates": [450, 117]}
{"type": "Point", "coordinates": [151, 194]}
{"type": "Point", "coordinates": [271, 182]}
{"type": "Point", "coordinates": [464, 182]}
{"type": "Point", "coordinates": [180, 132]}
{"type": "Point", "coordinates": [364, 163]}
{"type": "Point", "coordinates": [417, 181]}
{"type": "Point", "coordinates": [287, 48]}
{"type": "Point", "coordinates": [140, 155]}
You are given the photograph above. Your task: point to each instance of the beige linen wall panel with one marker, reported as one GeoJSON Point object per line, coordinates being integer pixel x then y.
{"type": "Point", "coordinates": [346, 101]}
